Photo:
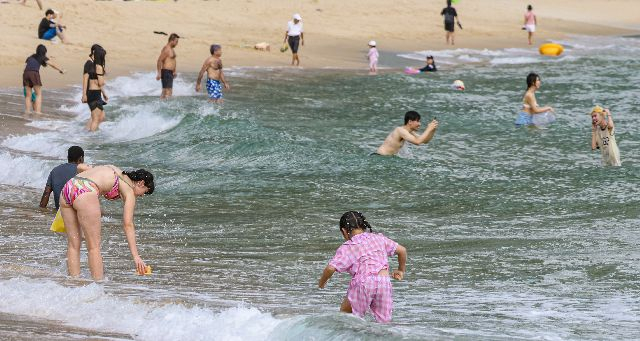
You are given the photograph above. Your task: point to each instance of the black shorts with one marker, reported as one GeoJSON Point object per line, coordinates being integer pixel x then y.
{"type": "Point", "coordinates": [294, 43]}
{"type": "Point", "coordinates": [94, 100]}
{"type": "Point", "coordinates": [31, 78]}
{"type": "Point", "coordinates": [167, 78]}
{"type": "Point", "coordinates": [449, 26]}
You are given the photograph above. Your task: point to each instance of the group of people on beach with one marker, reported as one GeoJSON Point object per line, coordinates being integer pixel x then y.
{"type": "Point", "coordinates": [77, 186]}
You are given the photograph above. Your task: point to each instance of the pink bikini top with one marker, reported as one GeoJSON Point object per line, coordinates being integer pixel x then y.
{"type": "Point", "coordinates": [114, 193]}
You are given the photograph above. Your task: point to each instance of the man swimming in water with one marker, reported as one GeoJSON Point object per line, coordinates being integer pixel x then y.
{"type": "Point", "coordinates": [167, 66]}
{"type": "Point", "coordinates": [394, 142]}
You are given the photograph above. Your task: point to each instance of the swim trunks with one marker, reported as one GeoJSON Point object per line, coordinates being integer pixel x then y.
{"type": "Point", "coordinates": [167, 78]}
{"type": "Point", "coordinates": [294, 43]}
{"type": "Point", "coordinates": [530, 27]}
{"type": "Point", "coordinates": [214, 88]}
{"type": "Point", "coordinates": [49, 34]}
{"type": "Point", "coordinates": [524, 119]}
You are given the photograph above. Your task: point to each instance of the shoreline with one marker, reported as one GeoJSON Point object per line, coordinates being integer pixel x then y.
{"type": "Point", "coordinates": [336, 33]}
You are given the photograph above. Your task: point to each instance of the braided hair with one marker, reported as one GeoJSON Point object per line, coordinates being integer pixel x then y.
{"type": "Point", "coordinates": [354, 220]}
{"type": "Point", "coordinates": [144, 175]}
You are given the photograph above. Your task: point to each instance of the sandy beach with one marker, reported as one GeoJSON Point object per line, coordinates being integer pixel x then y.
{"type": "Point", "coordinates": [336, 32]}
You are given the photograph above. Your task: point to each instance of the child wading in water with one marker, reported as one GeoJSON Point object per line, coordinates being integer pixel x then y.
{"type": "Point", "coordinates": [215, 76]}
{"type": "Point", "coordinates": [603, 136]}
{"type": "Point", "coordinates": [364, 256]}
{"type": "Point", "coordinates": [373, 58]}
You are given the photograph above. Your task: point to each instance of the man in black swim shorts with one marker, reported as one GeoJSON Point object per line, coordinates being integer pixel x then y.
{"type": "Point", "coordinates": [166, 66]}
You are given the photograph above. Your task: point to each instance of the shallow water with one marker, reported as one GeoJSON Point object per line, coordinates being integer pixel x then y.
{"type": "Point", "coordinates": [511, 233]}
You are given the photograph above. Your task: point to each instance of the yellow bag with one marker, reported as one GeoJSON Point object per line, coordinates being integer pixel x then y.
{"type": "Point", "coordinates": [284, 47]}
{"type": "Point", "coordinates": [58, 224]}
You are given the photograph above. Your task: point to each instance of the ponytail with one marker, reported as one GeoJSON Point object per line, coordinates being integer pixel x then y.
{"type": "Point", "coordinates": [354, 220]}
{"type": "Point", "coordinates": [144, 175]}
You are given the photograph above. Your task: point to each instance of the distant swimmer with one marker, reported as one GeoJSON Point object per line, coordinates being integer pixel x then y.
{"type": "Point", "coordinates": [431, 65]}
{"type": "Point", "coordinates": [603, 136]}
{"type": "Point", "coordinates": [395, 141]}
{"type": "Point", "coordinates": [31, 78]}
{"type": "Point", "coordinates": [530, 106]}
{"type": "Point", "coordinates": [59, 176]}
{"type": "Point", "coordinates": [364, 256]}
{"type": "Point", "coordinates": [80, 208]}
{"type": "Point", "coordinates": [166, 66]}
{"type": "Point", "coordinates": [93, 86]}
{"type": "Point", "coordinates": [215, 76]}
{"type": "Point", "coordinates": [530, 22]}
{"type": "Point", "coordinates": [295, 37]}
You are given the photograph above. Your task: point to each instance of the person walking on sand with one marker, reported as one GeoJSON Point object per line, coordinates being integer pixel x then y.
{"type": "Point", "coordinates": [31, 78]}
{"type": "Point", "coordinates": [49, 29]}
{"type": "Point", "coordinates": [373, 58]}
{"type": "Point", "coordinates": [59, 176]}
{"type": "Point", "coordinates": [166, 66]}
{"type": "Point", "coordinates": [80, 208]}
{"type": "Point", "coordinates": [364, 256]}
{"type": "Point", "coordinates": [530, 22]}
{"type": "Point", "coordinates": [215, 76]}
{"type": "Point", "coordinates": [295, 37]}
{"type": "Point", "coordinates": [603, 136]}
{"type": "Point", "coordinates": [395, 140]}
{"type": "Point", "coordinates": [93, 84]}
{"type": "Point", "coordinates": [450, 16]}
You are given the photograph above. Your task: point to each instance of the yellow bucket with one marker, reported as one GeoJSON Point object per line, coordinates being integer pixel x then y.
{"type": "Point", "coordinates": [58, 224]}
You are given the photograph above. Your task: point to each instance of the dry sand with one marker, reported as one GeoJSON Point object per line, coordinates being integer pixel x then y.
{"type": "Point", "coordinates": [336, 31]}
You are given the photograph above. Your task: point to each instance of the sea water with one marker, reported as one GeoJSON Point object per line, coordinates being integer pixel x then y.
{"type": "Point", "coordinates": [512, 233]}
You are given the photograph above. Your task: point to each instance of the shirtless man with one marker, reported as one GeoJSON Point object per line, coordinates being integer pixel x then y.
{"type": "Point", "coordinates": [215, 76]}
{"type": "Point", "coordinates": [166, 66]}
{"type": "Point", "coordinates": [394, 142]}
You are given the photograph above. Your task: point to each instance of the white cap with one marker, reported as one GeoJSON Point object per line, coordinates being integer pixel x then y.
{"type": "Point", "coordinates": [372, 43]}
{"type": "Point", "coordinates": [297, 16]}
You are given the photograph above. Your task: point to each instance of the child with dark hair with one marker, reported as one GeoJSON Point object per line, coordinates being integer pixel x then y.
{"type": "Point", "coordinates": [31, 78]}
{"type": "Point", "coordinates": [364, 256]}
{"type": "Point", "coordinates": [431, 65]}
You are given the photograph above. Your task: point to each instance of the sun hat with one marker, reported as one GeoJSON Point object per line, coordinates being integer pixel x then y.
{"type": "Point", "coordinates": [297, 16]}
{"type": "Point", "coordinates": [372, 43]}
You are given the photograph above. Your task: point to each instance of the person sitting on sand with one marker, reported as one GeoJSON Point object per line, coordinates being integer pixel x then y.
{"type": "Point", "coordinates": [364, 256]}
{"type": "Point", "coordinates": [529, 104]}
{"type": "Point", "coordinates": [166, 66]}
{"type": "Point", "coordinates": [603, 136]}
{"type": "Point", "coordinates": [59, 176]}
{"type": "Point", "coordinates": [48, 28]}
{"type": "Point", "coordinates": [395, 141]}
{"type": "Point", "coordinates": [80, 208]}
{"type": "Point", "coordinates": [31, 78]}
{"type": "Point", "coordinates": [431, 65]}
{"type": "Point", "coordinates": [215, 76]}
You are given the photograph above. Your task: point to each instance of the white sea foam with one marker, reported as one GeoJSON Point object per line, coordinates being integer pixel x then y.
{"type": "Point", "coordinates": [91, 307]}
{"type": "Point", "coordinates": [48, 144]}
{"type": "Point", "coordinates": [139, 121]}
{"type": "Point", "coordinates": [23, 171]}
{"type": "Point", "coordinates": [145, 84]}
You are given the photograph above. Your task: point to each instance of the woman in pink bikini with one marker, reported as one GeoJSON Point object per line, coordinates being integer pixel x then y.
{"type": "Point", "coordinates": [80, 208]}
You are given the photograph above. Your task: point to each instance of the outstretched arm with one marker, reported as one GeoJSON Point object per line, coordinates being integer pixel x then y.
{"type": "Point", "coordinates": [402, 262]}
{"type": "Point", "coordinates": [55, 67]}
{"type": "Point", "coordinates": [326, 274]}
{"type": "Point", "coordinates": [609, 120]}
{"type": "Point", "coordinates": [130, 232]}
{"type": "Point", "coordinates": [426, 136]}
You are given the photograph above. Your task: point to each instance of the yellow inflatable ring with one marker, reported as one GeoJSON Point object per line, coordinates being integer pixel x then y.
{"type": "Point", "coordinates": [551, 49]}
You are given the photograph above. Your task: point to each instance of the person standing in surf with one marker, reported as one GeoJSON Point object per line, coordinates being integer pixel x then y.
{"type": "Point", "coordinates": [530, 22]}
{"type": "Point", "coordinates": [215, 76]}
{"type": "Point", "coordinates": [450, 17]}
{"type": "Point", "coordinates": [166, 66]}
{"type": "Point", "coordinates": [395, 140]}
{"type": "Point", "coordinates": [295, 37]}
{"type": "Point", "coordinates": [80, 209]}
{"type": "Point", "coordinates": [364, 256]}
{"type": "Point", "coordinates": [31, 78]}
{"type": "Point", "coordinates": [529, 104]}
{"type": "Point", "coordinates": [603, 136]}
{"type": "Point", "coordinates": [93, 84]}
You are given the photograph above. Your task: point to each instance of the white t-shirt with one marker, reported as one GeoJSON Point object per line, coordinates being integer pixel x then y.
{"type": "Point", "coordinates": [294, 29]}
{"type": "Point", "coordinates": [606, 140]}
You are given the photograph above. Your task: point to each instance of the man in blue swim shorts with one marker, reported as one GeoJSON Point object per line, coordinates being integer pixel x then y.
{"type": "Point", "coordinates": [215, 76]}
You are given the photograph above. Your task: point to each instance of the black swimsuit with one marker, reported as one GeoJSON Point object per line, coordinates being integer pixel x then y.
{"type": "Point", "coordinates": [94, 97]}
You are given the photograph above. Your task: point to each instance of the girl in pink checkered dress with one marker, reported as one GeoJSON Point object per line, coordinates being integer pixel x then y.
{"type": "Point", "coordinates": [364, 256]}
